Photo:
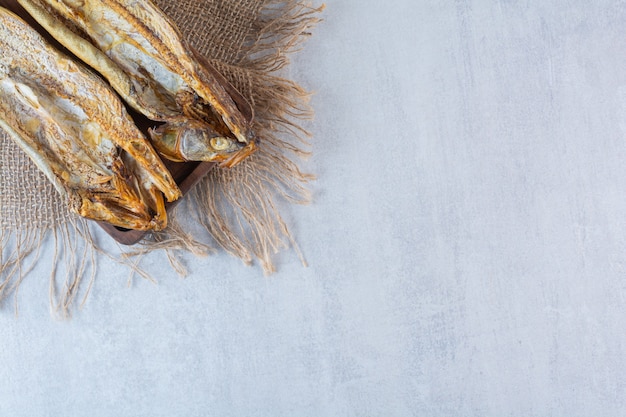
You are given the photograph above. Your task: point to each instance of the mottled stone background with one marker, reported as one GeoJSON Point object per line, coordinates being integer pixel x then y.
{"type": "Point", "coordinates": [467, 243]}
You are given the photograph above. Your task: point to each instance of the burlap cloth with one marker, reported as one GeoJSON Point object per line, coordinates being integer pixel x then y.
{"type": "Point", "coordinates": [248, 41]}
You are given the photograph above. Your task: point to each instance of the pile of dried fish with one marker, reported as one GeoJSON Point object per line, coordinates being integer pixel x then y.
{"type": "Point", "coordinates": [78, 132]}
{"type": "Point", "coordinates": [76, 129]}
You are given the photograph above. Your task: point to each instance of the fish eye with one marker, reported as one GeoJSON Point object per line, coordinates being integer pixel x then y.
{"type": "Point", "coordinates": [220, 143]}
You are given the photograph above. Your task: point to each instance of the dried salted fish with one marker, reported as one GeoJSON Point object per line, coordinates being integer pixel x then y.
{"type": "Point", "coordinates": [77, 131]}
{"type": "Point", "coordinates": [139, 50]}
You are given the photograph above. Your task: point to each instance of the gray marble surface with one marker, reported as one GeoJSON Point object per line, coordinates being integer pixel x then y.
{"type": "Point", "coordinates": [467, 243]}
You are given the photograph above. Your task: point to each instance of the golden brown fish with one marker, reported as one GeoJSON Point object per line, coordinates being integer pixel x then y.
{"type": "Point", "coordinates": [139, 50]}
{"type": "Point", "coordinates": [77, 131]}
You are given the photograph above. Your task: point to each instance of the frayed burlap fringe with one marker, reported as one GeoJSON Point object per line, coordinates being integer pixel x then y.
{"type": "Point", "coordinates": [72, 266]}
{"type": "Point", "coordinates": [239, 208]}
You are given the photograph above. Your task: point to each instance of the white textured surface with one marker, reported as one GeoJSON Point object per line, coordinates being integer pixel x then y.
{"type": "Point", "coordinates": [467, 243]}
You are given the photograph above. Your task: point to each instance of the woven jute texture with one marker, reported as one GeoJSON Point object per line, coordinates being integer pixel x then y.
{"type": "Point", "coordinates": [249, 42]}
